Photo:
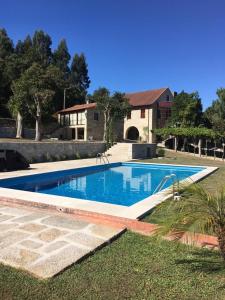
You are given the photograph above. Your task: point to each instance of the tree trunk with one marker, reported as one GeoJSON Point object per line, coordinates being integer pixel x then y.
{"type": "Point", "coordinates": [19, 125]}
{"type": "Point", "coordinates": [221, 242]}
{"type": "Point", "coordinates": [200, 147]}
{"type": "Point", "coordinates": [105, 127]}
{"type": "Point", "coordinates": [38, 122]}
{"type": "Point", "coordinates": [175, 143]}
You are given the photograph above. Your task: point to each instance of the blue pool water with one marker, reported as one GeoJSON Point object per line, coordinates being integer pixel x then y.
{"type": "Point", "coordinates": [119, 183]}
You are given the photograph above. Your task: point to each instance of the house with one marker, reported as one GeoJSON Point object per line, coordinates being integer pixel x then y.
{"type": "Point", "coordinates": [150, 109]}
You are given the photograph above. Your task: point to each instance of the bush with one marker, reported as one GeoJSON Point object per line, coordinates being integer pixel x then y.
{"type": "Point", "coordinates": [160, 152]}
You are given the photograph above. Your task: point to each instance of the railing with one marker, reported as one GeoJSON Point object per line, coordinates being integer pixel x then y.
{"type": "Point", "coordinates": [102, 157]}
{"type": "Point", "coordinates": [164, 180]}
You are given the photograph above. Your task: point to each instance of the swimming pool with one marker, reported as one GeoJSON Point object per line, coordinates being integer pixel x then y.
{"type": "Point", "coordinates": [123, 184]}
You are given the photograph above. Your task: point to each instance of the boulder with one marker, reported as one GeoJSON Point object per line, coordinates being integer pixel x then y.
{"type": "Point", "coordinates": [11, 160]}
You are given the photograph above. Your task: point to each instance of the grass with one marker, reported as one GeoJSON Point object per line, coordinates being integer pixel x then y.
{"type": "Point", "coordinates": [210, 183]}
{"type": "Point", "coordinates": [133, 267]}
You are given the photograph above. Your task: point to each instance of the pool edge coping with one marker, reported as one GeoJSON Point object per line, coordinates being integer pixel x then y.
{"type": "Point", "coordinates": [65, 204]}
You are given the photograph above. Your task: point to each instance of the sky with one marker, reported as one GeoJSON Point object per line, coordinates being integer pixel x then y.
{"type": "Point", "coordinates": [133, 45]}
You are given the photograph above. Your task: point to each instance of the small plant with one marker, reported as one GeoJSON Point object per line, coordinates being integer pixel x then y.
{"type": "Point", "coordinates": [77, 155]}
{"type": "Point", "coordinates": [160, 152]}
{"type": "Point", "coordinates": [196, 211]}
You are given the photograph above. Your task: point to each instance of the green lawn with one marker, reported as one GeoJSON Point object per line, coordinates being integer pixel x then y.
{"type": "Point", "coordinates": [133, 267]}
{"type": "Point", "coordinates": [211, 183]}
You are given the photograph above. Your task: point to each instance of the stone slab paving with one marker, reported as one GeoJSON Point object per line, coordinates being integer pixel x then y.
{"type": "Point", "coordinates": [45, 243]}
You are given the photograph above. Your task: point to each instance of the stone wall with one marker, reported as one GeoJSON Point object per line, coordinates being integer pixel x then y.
{"type": "Point", "coordinates": [95, 128]}
{"type": "Point", "coordinates": [10, 132]}
{"type": "Point", "coordinates": [142, 151]}
{"type": "Point", "coordinates": [7, 122]}
{"type": "Point", "coordinates": [54, 150]}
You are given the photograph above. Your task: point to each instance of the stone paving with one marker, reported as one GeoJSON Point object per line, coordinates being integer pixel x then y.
{"type": "Point", "coordinates": [44, 243]}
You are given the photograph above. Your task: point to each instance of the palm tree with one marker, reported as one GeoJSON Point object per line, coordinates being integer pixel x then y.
{"type": "Point", "coordinates": [197, 211]}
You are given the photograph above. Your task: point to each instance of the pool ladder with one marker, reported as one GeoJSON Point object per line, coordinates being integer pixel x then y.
{"type": "Point", "coordinates": [102, 157]}
{"type": "Point", "coordinates": [164, 180]}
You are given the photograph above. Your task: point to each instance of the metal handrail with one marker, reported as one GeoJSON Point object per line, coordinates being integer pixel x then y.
{"type": "Point", "coordinates": [102, 157]}
{"type": "Point", "coordinates": [163, 182]}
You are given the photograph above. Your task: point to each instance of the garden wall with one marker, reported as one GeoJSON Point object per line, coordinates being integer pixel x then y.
{"type": "Point", "coordinates": [141, 151]}
{"type": "Point", "coordinates": [10, 132]}
{"type": "Point", "coordinates": [52, 151]}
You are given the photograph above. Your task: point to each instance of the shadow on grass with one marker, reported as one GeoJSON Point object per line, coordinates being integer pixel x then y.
{"type": "Point", "coordinates": [208, 262]}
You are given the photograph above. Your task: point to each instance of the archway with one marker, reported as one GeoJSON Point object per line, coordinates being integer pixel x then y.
{"type": "Point", "coordinates": [132, 133]}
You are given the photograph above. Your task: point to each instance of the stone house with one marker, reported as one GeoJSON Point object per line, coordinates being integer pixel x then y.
{"type": "Point", "coordinates": [150, 109]}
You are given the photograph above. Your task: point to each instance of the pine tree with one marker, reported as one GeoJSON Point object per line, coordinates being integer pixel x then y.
{"type": "Point", "coordinates": [79, 77]}
{"type": "Point", "coordinates": [6, 49]}
{"type": "Point", "coordinates": [61, 57]}
{"type": "Point", "coordinates": [42, 53]}
{"type": "Point", "coordinates": [6, 45]}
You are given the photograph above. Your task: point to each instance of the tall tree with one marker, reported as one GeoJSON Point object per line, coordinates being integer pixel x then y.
{"type": "Point", "coordinates": [215, 114]}
{"type": "Point", "coordinates": [114, 107]}
{"type": "Point", "coordinates": [16, 64]}
{"type": "Point", "coordinates": [61, 57]}
{"type": "Point", "coordinates": [36, 86]}
{"type": "Point", "coordinates": [6, 44]}
{"type": "Point", "coordinates": [186, 110]}
{"type": "Point", "coordinates": [18, 103]}
{"type": "Point", "coordinates": [79, 77]}
{"type": "Point", "coordinates": [6, 49]}
{"type": "Point", "coordinates": [42, 53]}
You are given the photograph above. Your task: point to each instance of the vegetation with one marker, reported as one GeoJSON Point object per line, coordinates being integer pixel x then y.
{"type": "Point", "coordinates": [196, 211]}
{"type": "Point", "coordinates": [189, 132]}
{"type": "Point", "coordinates": [186, 110]}
{"type": "Point", "coordinates": [114, 107]}
{"type": "Point", "coordinates": [160, 152]}
{"type": "Point", "coordinates": [35, 53]}
{"type": "Point", "coordinates": [188, 121]}
{"type": "Point", "coordinates": [215, 114]}
{"type": "Point", "coordinates": [132, 267]}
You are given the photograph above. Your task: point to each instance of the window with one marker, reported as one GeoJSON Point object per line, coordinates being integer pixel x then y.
{"type": "Point", "coordinates": [80, 133]}
{"type": "Point", "coordinates": [67, 120]}
{"type": "Point", "coordinates": [80, 118]}
{"type": "Point", "coordinates": [142, 113]}
{"type": "Point", "coordinates": [96, 116]}
{"type": "Point", "coordinates": [167, 98]}
{"type": "Point", "coordinates": [73, 119]}
{"type": "Point", "coordinates": [129, 115]}
{"type": "Point", "coordinates": [62, 120]}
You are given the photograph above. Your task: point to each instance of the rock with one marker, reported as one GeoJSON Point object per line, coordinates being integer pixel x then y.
{"type": "Point", "coordinates": [11, 160]}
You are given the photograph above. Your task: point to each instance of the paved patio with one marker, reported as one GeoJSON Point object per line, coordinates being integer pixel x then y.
{"type": "Point", "coordinates": [45, 243]}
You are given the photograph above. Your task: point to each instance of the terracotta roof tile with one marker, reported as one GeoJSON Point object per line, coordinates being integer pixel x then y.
{"type": "Point", "coordinates": [78, 107]}
{"type": "Point", "coordinates": [144, 98]}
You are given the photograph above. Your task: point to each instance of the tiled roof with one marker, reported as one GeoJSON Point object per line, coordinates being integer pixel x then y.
{"type": "Point", "coordinates": [144, 98]}
{"type": "Point", "coordinates": [78, 107]}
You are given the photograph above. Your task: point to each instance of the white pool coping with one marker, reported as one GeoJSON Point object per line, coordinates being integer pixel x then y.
{"type": "Point", "coordinates": [132, 212]}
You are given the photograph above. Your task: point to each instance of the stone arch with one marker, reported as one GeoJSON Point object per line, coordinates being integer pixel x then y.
{"type": "Point", "coordinates": [132, 133]}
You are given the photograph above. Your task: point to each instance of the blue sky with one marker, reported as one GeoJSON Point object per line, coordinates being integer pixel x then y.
{"type": "Point", "coordinates": [133, 45]}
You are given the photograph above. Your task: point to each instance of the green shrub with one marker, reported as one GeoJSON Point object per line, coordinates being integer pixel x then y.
{"type": "Point", "coordinates": [160, 152]}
